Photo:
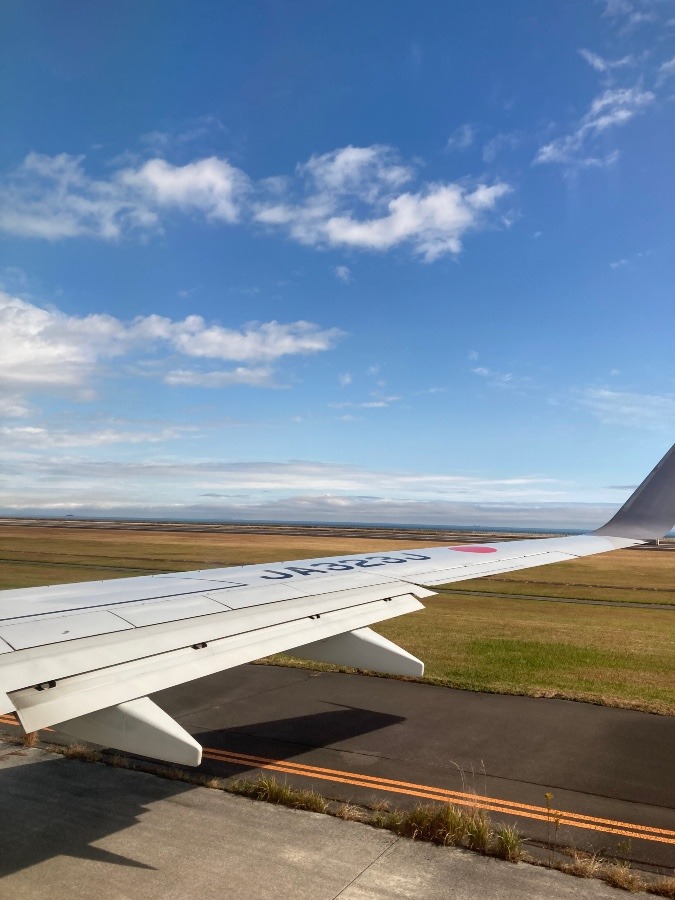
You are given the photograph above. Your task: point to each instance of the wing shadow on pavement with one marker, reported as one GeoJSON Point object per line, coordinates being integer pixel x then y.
{"type": "Point", "coordinates": [287, 738]}
{"type": "Point", "coordinates": [62, 807]}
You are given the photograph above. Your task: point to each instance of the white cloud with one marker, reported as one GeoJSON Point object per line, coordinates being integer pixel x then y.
{"type": "Point", "coordinates": [297, 490]}
{"type": "Point", "coordinates": [257, 341]}
{"type": "Point", "coordinates": [666, 70]}
{"type": "Point", "coordinates": [462, 137]}
{"type": "Point", "coordinates": [631, 409]}
{"type": "Point", "coordinates": [343, 273]}
{"type": "Point", "coordinates": [345, 379]}
{"type": "Point", "coordinates": [614, 107]}
{"type": "Point", "coordinates": [13, 406]}
{"type": "Point", "coordinates": [630, 15]}
{"type": "Point", "coordinates": [350, 197]}
{"type": "Point", "coordinates": [196, 129]}
{"type": "Point", "coordinates": [258, 376]}
{"type": "Point", "coordinates": [355, 171]}
{"type": "Point", "coordinates": [433, 221]}
{"type": "Point", "coordinates": [211, 186]}
{"type": "Point", "coordinates": [46, 348]}
{"type": "Point", "coordinates": [41, 347]}
{"type": "Point", "coordinates": [628, 260]}
{"type": "Point", "coordinates": [52, 197]}
{"type": "Point", "coordinates": [600, 64]}
{"type": "Point", "coordinates": [376, 403]}
{"type": "Point", "coordinates": [500, 379]}
{"type": "Point", "coordinates": [40, 437]}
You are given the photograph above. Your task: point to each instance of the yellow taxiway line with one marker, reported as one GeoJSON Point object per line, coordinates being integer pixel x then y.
{"type": "Point", "coordinates": [459, 798]}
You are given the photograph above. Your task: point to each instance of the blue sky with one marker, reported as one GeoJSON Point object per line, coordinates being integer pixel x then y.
{"type": "Point", "coordinates": [336, 261]}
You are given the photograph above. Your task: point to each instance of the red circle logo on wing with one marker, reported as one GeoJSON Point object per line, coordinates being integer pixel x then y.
{"type": "Point", "coordinates": [474, 548]}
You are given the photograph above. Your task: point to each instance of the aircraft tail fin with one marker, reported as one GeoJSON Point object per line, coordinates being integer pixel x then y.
{"type": "Point", "coordinates": [649, 512]}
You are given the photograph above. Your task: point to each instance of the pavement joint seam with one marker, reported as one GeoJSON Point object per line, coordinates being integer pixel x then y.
{"type": "Point", "coordinates": [386, 850]}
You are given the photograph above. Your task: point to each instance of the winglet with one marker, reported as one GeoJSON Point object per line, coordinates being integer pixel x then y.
{"type": "Point", "coordinates": [649, 513]}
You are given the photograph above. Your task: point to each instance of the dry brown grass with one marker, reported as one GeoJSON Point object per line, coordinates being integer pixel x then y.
{"type": "Point", "coordinates": [272, 791]}
{"type": "Point", "coordinates": [37, 555]}
{"type": "Point", "coordinates": [349, 813]}
{"type": "Point", "coordinates": [663, 887]}
{"type": "Point", "coordinates": [80, 751]}
{"type": "Point", "coordinates": [583, 865]}
{"type": "Point", "coordinates": [620, 875]}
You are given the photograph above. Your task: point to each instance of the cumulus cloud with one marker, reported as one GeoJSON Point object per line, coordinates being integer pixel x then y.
{"type": "Point", "coordinates": [353, 197]}
{"type": "Point", "coordinates": [211, 186]}
{"type": "Point", "coordinates": [630, 409]}
{"type": "Point", "coordinates": [47, 348]}
{"type": "Point", "coordinates": [614, 107]}
{"type": "Point", "coordinates": [350, 197]}
{"type": "Point", "coordinates": [53, 197]}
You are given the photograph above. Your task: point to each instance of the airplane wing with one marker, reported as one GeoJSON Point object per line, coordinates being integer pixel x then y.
{"type": "Point", "coordinates": [84, 657]}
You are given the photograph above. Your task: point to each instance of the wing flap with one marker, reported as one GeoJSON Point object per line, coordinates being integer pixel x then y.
{"type": "Point", "coordinates": [86, 692]}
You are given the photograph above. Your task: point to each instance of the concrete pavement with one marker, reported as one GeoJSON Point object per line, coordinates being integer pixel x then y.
{"type": "Point", "coordinates": [75, 830]}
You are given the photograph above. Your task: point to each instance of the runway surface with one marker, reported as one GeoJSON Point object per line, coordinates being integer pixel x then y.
{"type": "Point", "coordinates": [608, 773]}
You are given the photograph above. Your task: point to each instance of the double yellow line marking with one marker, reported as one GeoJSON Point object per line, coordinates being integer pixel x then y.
{"type": "Point", "coordinates": [459, 798]}
{"type": "Point", "coordinates": [427, 792]}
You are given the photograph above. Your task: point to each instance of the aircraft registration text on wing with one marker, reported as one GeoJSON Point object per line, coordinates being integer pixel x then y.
{"type": "Point", "coordinates": [84, 658]}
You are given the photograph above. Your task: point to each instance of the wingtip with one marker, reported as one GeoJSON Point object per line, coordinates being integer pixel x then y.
{"type": "Point", "coordinates": [649, 513]}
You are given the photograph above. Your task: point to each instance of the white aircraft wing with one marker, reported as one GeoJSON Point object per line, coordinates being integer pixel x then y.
{"type": "Point", "coordinates": [84, 657]}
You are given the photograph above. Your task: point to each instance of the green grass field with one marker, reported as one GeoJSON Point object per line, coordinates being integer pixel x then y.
{"type": "Point", "coordinates": [611, 655]}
